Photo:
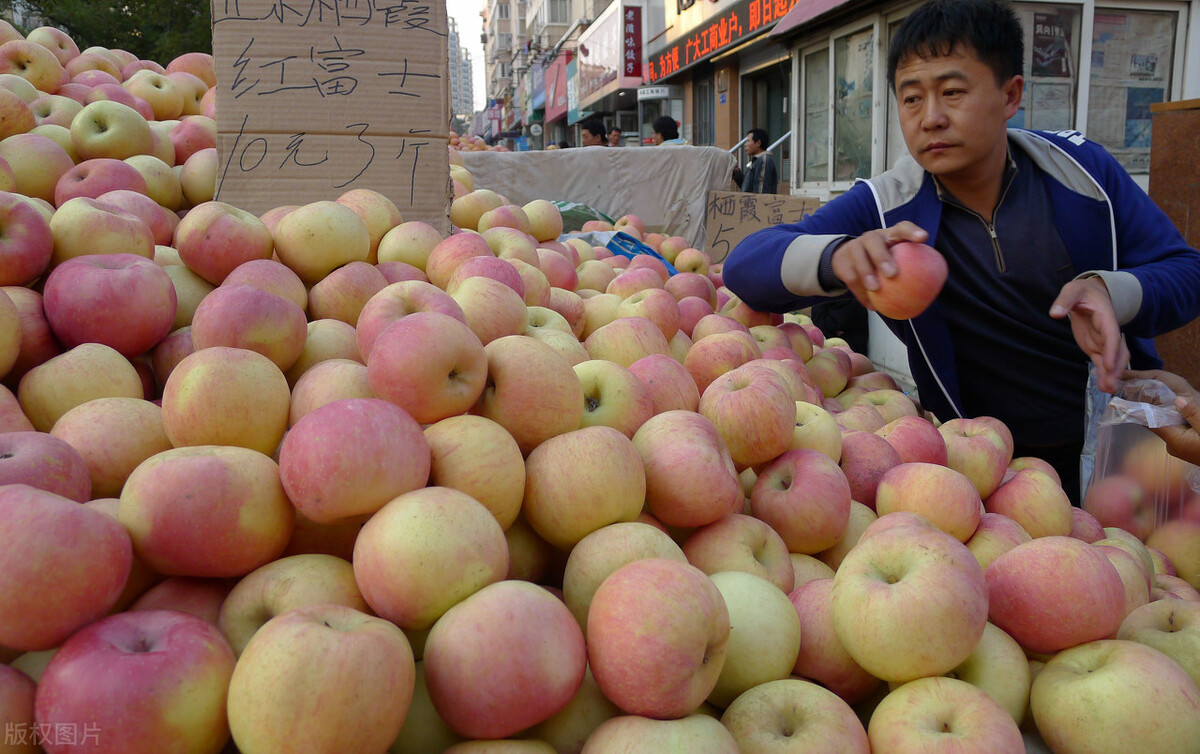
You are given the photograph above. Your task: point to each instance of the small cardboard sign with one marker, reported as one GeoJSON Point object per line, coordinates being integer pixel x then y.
{"type": "Point", "coordinates": [317, 98]}
{"type": "Point", "coordinates": [730, 216]}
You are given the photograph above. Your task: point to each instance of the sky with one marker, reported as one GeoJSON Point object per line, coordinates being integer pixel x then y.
{"type": "Point", "coordinates": [470, 26]}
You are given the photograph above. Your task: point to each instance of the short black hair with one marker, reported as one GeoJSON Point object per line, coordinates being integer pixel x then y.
{"type": "Point", "coordinates": [666, 126]}
{"type": "Point", "coordinates": [989, 28]}
{"type": "Point", "coordinates": [594, 126]}
{"type": "Point", "coordinates": [759, 135]}
{"type": "Point", "coordinates": [564, 144]}
{"type": "Point", "coordinates": [614, 130]}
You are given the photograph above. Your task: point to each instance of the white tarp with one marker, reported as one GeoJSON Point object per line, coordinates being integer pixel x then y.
{"type": "Point", "coordinates": [666, 186]}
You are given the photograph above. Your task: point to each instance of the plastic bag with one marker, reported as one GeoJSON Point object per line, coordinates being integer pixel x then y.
{"type": "Point", "coordinates": [574, 215]}
{"type": "Point", "coordinates": [620, 243]}
{"type": "Point", "coordinates": [1144, 402]}
{"type": "Point", "coordinates": [1124, 460]}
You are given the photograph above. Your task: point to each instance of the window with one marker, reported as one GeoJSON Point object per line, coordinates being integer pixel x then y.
{"type": "Point", "coordinates": [1051, 68]}
{"type": "Point", "coordinates": [1132, 56]}
{"type": "Point", "coordinates": [704, 115]}
{"type": "Point", "coordinates": [816, 116]}
{"type": "Point", "coordinates": [854, 77]}
{"type": "Point", "coordinates": [838, 113]}
{"type": "Point", "coordinates": [560, 11]}
{"type": "Point", "coordinates": [502, 11]}
{"type": "Point", "coordinates": [840, 102]}
{"type": "Point", "coordinates": [504, 41]}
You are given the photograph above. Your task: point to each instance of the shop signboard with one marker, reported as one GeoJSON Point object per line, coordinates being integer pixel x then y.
{"type": "Point", "coordinates": [720, 32]}
{"type": "Point", "coordinates": [610, 53]}
{"type": "Point", "coordinates": [556, 88]}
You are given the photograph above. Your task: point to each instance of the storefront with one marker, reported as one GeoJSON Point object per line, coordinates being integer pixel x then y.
{"type": "Point", "coordinates": [653, 103]}
{"type": "Point", "coordinates": [535, 110]}
{"type": "Point", "coordinates": [734, 77]}
{"type": "Point", "coordinates": [555, 125]}
{"type": "Point", "coordinates": [1088, 67]}
{"type": "Point", "coordinates": [610, 68]}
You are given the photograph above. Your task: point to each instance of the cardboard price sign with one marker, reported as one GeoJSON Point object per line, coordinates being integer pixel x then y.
{"type": "Point", "coordinates": [730, 216]}
{"type": "Point", "coordinates": [320, 97]}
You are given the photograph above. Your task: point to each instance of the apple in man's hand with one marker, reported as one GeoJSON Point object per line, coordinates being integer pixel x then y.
{"type": "Point", "coordinates": [921, 273]}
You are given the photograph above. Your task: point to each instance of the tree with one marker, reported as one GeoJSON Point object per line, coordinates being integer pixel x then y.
{"type": "Point", "coordinates": [157, 30]}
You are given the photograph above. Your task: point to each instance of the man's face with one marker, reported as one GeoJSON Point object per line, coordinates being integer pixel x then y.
{"type": "Point", "coordinates": [952, 112]}
{"type": "Point", "coordinates": [590, 139]}
{"type": "Point", "coordinates": [753, 148]}
{"type": "Point", "coordinates": [614, 138]}
{"type": "Point", "coordinates": [657, 138]}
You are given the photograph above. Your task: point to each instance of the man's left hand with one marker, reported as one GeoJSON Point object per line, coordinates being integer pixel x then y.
{"type": "Point", "coordinates": [1094, 324]}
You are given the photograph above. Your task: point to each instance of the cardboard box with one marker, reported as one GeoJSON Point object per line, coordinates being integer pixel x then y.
{"type": "Point", "coordinates": [316, 99]}
{"type": "Point", "coordinates": [733, 215]}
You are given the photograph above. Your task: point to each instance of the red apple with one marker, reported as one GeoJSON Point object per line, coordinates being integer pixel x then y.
{"type": "Point", "coordinates": [397, 301]}
{"type": "Point", "coordinates": [657, 632]}
{"type": "Point", "coordinates": [909, 602]}
{"type": "Point", "coordinates": [943, 496]}
{"type": "Point", "coordinates": [739, 542]}
{"type": "Point", "coordinates": [866, 457]}
{"type": "Point", "coordinates": [174, 669]}
{"type": "Point", "coordinates": [214, 238]}
{"type": "Point", "coordinates": [822, 657]}
{"type": "Point", "coordinates": [491, 679]}
{"type": "Point", "coordinates": [975, 448]}
{"type": "Point", "coordinates": [804, 496]}
{"type": "Point", "coordinates": [124, 301]}
{"type": "Point", "coordinates": [27, 243]}
{"type": "Point", "coordinates": [690, 477]}
{"type": "Point", "coordinates": [240, 316]}
{"type": "Point", "coordinates": [1044, 577]}
{"type": "Point", "coordinates": [350, 457]}
{"type": "Point", "coordinates": [46, 462]}
{"type": "Point", "coordinates": [65, 566]}
{"type": "Point", "coordinates": [921, 273]}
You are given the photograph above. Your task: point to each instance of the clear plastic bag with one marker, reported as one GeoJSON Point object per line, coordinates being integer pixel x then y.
{"type": "Point", "coordinates": [1145, 402]}
{"type": "Point", "coordinates": [1130, 480]}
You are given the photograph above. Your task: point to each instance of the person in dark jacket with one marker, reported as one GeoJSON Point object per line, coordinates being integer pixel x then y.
{"type": "Point", "coordinates": [1057, 259]}
{"type": "Point", "coordinates": [761, 177]}
{"type": "Point", "coordinates": [666, 131]}
{"type": "Point", "coordinates": [592, 133]}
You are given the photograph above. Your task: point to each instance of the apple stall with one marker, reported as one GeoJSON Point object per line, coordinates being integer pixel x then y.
{"type": "Point", "coordinates": [296, 463]}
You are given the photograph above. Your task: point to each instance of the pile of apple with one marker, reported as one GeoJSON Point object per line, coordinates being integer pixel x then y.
{"type": "Point", "coordinates": [329, 481]}
{"type": "Point", "coordinates": [468, 143]}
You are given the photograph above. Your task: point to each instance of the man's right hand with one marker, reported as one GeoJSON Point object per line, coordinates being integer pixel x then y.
{"type": "Point", "coordinates": [859, 262]}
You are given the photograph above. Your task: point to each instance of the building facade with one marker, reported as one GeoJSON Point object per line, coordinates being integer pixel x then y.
{"type": "Point", "coordinates": [1089, 66]}
{"type": "Point", "coordinates": [503, 24]}
{"type": "Point", "coordinates": [810, 73]}
{"type": "Point", "coordinates": [462, 90]}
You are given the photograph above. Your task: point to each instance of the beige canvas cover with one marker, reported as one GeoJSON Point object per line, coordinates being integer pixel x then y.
{"type": "Point", "coordinates": [666, 186]}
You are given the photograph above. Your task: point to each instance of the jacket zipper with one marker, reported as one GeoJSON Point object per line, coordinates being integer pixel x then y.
{"type": "Point", "coordinates": [997, 252]}
{"type": "Point", "coordinates": [1000, 265]}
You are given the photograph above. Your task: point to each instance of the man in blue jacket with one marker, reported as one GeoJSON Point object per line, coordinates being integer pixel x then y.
{"type": "Point", "coordinates": [1056, 256]}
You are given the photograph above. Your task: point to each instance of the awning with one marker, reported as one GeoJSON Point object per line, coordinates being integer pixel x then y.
{"type": "Point", "coordinates": [803, 12]}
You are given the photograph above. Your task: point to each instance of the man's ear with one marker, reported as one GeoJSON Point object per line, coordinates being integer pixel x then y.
{"type": "Point", "coordinates": [1013, 90]}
